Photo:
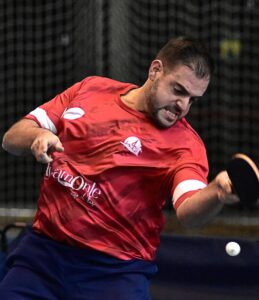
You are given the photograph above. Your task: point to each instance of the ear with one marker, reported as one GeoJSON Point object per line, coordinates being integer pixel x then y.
{"type": "Point", "coordinates": [155, 69]}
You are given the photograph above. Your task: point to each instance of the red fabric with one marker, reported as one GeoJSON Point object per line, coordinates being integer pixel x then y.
{"type": "Point", "coordinates": [107, 190]}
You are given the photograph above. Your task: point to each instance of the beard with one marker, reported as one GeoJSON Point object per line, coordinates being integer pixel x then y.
{"type": "Point", "coordinates": [162, 116]}
{"type": "Point", "coordinates": [152, 109]}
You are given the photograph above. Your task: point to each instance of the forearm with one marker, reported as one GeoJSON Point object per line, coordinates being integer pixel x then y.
{"type": "Point", "coordinates": [19, 138]}
{"type": "Point", "coordinates": [204, 205]}
{"type": "Point", "coordinates": [27, 137]}
{"type": "Point", "coordinates": [200, 208]}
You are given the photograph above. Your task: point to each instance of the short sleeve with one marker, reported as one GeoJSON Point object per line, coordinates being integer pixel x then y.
{"type": "Point", "coordinates": [48, 114]}
{"type": "Point", "coordinates": [189, 178]}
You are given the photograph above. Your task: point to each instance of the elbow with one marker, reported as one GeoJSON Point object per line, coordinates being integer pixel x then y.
{"type": "Point", "coordinates": [18, 138]}
{"type": "Point", "coordinates": [8, 145]}
{"type": "Point", "coordinates": [189, 218]}
{"type": "Point", "coordinates": [189, 222]}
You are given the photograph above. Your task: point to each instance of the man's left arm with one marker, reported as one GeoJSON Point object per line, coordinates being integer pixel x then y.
{"type": "Point", "coordinates": [202, 206]}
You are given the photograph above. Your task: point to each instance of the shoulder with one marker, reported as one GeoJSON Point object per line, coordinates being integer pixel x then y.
{"type": "Point", "coordinates": [104, 84]}
{"type": "Point", "coordinates": [189, 134]}
{"type": "Point", "coordinates": [190, 145]}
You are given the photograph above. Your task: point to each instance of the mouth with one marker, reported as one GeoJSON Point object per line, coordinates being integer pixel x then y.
{"type": "Point", "coordinates": [166, 117]}
{"type": "Point", "coordinates": [170, 115]}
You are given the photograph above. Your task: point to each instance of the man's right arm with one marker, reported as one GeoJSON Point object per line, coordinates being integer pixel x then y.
{"type": "Point", "coordinates": [26, 137]}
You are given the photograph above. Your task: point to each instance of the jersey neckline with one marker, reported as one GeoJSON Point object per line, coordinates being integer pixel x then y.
{"type": "Point", "coordinates": [126, 107]}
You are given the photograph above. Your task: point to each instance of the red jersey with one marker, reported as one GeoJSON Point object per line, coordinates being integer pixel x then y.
{"type": "Point", "coordinates": [107, 189]}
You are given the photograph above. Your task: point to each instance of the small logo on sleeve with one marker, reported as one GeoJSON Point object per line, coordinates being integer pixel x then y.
{"type": "Point", "coordinates": [133, 144]}
{"type": "Point", "coordinates": [73, 113]}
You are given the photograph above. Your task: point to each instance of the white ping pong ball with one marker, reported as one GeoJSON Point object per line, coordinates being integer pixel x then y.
{"type": "Point", "coordinates": [233, 248]}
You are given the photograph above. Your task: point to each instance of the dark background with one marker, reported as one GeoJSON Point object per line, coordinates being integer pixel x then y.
{"type": "Point", "coordinates": [46, 46]}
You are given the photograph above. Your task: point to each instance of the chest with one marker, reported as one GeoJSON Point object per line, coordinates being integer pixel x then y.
{"type": "Point", "coordinates": [107, 132]}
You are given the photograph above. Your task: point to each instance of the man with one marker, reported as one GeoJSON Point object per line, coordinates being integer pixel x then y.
{"type": "Point", "coordinates": [115, 153]}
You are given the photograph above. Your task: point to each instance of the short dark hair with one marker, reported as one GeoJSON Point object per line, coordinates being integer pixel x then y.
{"type": "Point", "coordinates": [189, 52]}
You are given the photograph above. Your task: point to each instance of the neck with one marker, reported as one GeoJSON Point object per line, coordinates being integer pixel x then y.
{"type": "Point", "coordinates": [135, 98]}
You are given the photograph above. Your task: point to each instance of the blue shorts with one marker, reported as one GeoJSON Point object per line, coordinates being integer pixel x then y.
{"type": "Point", "coordinates": [42, 269]}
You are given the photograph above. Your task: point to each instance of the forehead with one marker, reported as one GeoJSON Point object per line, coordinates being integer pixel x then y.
{"type": "Point", "coordinates": [186, 77]}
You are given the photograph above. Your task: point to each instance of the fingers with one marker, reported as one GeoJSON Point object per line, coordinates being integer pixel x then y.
{"type": "Point", "coordinates": [58, 147]}
{"type": "Point", "coordinates": [43, 158]}
{"type": "Point", "coordinates": [225, 189]}
{"type": "Point", "coordinates": [44, 144]}
{"type": "Point", "coordinates": [225, 182]}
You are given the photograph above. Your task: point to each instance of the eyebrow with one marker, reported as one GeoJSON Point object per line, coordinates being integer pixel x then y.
{"type": "Point", "coordinates": [186, 91]}
{"type": "Point", "coordinates": [182, 88]}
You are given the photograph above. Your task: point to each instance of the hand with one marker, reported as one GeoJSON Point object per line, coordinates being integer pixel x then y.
{"type": "Point", "coordinates": [45, 143]}
{"type": "Point", "coordinates": [225, 192]}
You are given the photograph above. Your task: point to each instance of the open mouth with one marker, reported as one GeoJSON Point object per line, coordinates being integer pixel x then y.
{"type": "Point", "coordinates": [166, 117]}
{"type": "Point", "coordinates": [170, 115]}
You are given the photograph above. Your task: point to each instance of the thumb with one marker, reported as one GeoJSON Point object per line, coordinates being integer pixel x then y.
{"type": "Point", "coordinates": [58, 146]}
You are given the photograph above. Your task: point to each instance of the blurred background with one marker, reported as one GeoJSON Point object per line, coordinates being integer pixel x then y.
{"type": "Point", "coordinates": [47, 45]}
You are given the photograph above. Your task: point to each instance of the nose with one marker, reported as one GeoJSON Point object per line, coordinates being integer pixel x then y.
{"type": "Point", "coordinates": [183, 104]}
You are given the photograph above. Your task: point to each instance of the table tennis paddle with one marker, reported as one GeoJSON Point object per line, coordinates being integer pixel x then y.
{"type": "Point", "coordinates": [244, 176]}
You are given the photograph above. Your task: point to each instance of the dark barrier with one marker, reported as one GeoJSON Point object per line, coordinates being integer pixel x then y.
{"type": "Point", "coordinates": [198, 268]}
{"type": "Point", "coordinates": [10, 236]}
{"type": "Point", "coordinates": [190, 268]}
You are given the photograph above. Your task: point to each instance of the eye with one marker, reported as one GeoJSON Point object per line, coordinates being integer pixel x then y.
{"type": "Point", "coordinates": [178, 91]}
